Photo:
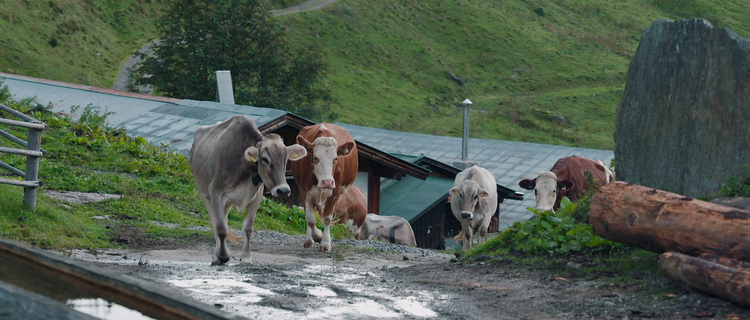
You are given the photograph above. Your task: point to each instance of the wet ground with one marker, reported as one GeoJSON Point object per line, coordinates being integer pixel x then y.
{"type": "Point", "coordinates": [368, 280]}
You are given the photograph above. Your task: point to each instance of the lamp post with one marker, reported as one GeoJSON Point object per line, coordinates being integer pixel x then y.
{"type": "Point", "coordinates": [465, 151]}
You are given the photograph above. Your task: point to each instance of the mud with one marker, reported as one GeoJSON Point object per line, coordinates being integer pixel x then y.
{"type": "Point", "coordinates": [366, 280]}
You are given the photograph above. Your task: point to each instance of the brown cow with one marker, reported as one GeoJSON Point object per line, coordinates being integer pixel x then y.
{"type": "Point", "coordinates": [351, 210]}
{"type": "Point", "coordinates": [566, 178]}
{"type": "Point", "coordinates": [327, 171]}
{"type": "Point", "coordinates": [231, 163]}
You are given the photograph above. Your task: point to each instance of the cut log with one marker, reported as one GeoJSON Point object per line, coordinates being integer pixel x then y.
{"type": "Point", "coordinates": [707, 276]}
{"type": "Point", "coordinates": [734, 264]}
{"type": "Point", "coordinates": [661, 221]}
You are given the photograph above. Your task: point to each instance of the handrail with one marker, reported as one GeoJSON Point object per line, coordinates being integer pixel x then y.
{"type": "Point", "coordinates": [32, 152]}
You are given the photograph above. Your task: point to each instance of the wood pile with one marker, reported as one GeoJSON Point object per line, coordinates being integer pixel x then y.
{"type": "Point", "coordinates": [705, 245]}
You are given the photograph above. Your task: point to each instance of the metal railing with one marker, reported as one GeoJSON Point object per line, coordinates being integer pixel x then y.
{"type": "Point", "coordinates": [32, 152]}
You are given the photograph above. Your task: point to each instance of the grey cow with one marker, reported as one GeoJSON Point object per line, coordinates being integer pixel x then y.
{"type": "Point", "coordinates": [473, 202]}
{"type": "Point", "coordinates": [231, 163]}
{"type": "Point", "coordinates": [392, 229]}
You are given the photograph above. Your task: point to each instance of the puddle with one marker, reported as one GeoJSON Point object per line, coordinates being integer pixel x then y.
{"type": "Point", "coordinates": [304, 292]}
{"type": "Point", "coordinates": [34, 280]}
{"type": "Point", "coordinates": [106, 310]}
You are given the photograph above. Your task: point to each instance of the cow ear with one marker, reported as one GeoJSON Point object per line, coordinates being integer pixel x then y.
{"type": "Point", "coordinates": [528, 184]}
{"type": "Point", "coordinates": [565, 185]}
{"type": "Point", "coordinates": [304, 143]}
{"type": "Point", "coordinates": [296, 152]}
{"type": "Point", "coordinates": [483, 193]}
{"type": "Point", "coordinates": [345, 148]}
{"type": "Point", "coordinates": [251, 154]}
{"type": "Point", "coordinates": [455, 192]}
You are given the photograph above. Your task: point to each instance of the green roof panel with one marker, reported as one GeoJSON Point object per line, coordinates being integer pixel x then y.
{"type": "Point", "coordinates": [410, 197]}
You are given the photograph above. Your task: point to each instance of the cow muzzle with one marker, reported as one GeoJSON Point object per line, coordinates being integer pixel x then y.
{"type": "Point", "coordinates": [467, 215]}
{"type": "Point", "coordinates": [327, 184]}
{"type": "Point", "coordinates": [281, 191]}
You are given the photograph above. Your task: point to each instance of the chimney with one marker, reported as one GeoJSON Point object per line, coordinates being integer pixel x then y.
{"type": "Point", "coordinates": [465, 163]}
{"type": "Point", "coordinates": [224, 86]}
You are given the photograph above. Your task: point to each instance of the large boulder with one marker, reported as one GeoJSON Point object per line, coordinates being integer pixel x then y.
{"type": "Point", "coordinates": [683, 122]}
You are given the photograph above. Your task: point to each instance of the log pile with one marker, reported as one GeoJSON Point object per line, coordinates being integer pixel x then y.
{"type": "Point", "coordinates": [706, 246]}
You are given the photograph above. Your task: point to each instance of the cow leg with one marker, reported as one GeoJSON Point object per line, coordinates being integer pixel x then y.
{"type": "Point", "coordinates": [247, 225]}
{"type": "Point", "coordinates": [468, 233]}
{"type": "Point", "coordinates": [217, 213]}
{"type": "Point", "coordinates": [313, 233]}
{"type": "Point", "coordinates": [325, 243]}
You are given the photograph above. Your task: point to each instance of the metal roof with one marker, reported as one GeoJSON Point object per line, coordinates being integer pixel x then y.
{"type": "Point", "coordinates": [410, 197]}
{"type": "Point", "coordinates": [510, 161]}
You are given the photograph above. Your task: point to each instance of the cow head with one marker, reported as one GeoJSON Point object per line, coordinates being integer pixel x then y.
{"type": "Point", "coordinates": [547, 189]}
{"type": "Point", "coordinates": [325, 154]}
{"type": "Point", "coordinates": [271, 156]}
{"type": "Point", "coordinates": [468, 193]}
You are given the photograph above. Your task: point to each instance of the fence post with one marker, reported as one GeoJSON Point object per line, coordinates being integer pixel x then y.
{"type": "Point", "coordinates": [32, 168]}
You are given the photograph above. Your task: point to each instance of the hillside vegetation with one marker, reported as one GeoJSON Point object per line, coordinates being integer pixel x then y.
{"type": "Point", "coordinates": [539, 71]}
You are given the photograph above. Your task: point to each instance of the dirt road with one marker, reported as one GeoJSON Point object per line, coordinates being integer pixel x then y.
{"type": "Point", "coordinates": [367, 279]}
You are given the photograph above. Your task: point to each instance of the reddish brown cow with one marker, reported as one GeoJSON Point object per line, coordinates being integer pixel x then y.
{"type": "Point", "coordinates": [566, 179]}
{"type": "Point", "coordinates": [351, 210]}
{"type": "Point", "coordinates": [323, 175]}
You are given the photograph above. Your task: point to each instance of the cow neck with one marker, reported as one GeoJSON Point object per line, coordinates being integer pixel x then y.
{"type": "Point", "coordinates": [254, 172]}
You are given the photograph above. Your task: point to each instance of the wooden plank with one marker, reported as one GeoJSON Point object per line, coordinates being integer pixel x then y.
{"type": "Point", "coordinates": [22, 183]}
{"type": "Point", "coordinates": [147, 297]}
{"type": "Point", "coordinates": [32, 168]}
{"type": "Point", "coordinates": [18, 141]}
{"type": "Point", "coordinates": [24, 152]}
{"type": "Point", "coordinates": [30, 125]}
{"type": "Point", "coordinates": [12, 169]}
{"type": "Point", "coordinates": [373, 192]}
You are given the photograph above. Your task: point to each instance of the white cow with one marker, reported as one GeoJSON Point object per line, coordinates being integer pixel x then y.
{"type": "Point", "coordinates": [473, 202]}
{"type": "Point", "coordinates": [391, 229]}
{"type": "Point", "coordinates": [231, 163]}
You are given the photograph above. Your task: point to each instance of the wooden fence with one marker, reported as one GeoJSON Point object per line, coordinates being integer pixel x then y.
{"type": "Point", "coordinates": [32, 152]}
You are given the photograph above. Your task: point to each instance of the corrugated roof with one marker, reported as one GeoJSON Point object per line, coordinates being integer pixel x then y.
{"type": "Point", "coordinates": [410, 197]}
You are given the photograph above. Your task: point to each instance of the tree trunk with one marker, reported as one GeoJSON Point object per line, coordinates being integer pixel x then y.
{"type": "Point", "coordinates": [661, 221]}
{"type": "Point", "coordinates": [716, 279]}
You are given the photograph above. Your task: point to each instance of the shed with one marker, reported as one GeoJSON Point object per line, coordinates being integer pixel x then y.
{"type": "Point", "coordinates": [426, 203]}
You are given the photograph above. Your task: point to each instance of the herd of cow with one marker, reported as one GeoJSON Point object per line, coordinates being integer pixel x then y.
{"type": "Point", "coordinates": [233, 165]}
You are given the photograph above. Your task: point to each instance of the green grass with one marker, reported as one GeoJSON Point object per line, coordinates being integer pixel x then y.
{"type": "Point", "coordinates": [156, 186]}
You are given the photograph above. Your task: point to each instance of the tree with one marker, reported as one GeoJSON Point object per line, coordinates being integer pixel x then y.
{"type": "Point", "coordinates": [203, 36]}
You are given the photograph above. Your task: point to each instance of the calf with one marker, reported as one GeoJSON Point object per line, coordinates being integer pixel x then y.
{"type": "Point", "coordinates": [231, 163]}
{"type": "Point", "coordinates": [351, 210]}
{"type": "Point", "coordinates": [566, 178]}
{"type": "Point", "coordinates": [323, 175]}
{"type": "Point", "coordinates": [473, 202]}
{"type": "Point", "coordinates": [391, 229]}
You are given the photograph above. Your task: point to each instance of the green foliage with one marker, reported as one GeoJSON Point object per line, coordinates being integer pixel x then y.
{"type": "Point", "coordinates": [202, 37]}
{"type": "Point", "coordinates": [550, 233]}
{"type": "Point", "coordinates": [736, 186]}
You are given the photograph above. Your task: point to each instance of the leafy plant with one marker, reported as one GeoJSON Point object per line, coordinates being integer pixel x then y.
{"type": "Point", "coordinates": [552, 233]}
{"type": "Point", "coordinates": [736, 186]}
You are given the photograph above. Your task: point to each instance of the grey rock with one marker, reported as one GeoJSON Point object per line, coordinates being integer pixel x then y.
{"type": "Point", "coordinates": [682, 121]}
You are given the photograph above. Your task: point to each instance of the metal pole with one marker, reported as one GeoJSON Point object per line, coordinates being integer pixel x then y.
{"type": "Point", "coordinates": [465, 151]}
{"type": "Point", "coordinates": [32, 168]}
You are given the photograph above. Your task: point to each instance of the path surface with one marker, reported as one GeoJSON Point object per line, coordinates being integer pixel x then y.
{"type": "Point", "coordinates": [121, 82]}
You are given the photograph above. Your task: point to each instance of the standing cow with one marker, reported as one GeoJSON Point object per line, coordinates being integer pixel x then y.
{"type": "Point", "coordinates": [566, 178]}
{"type": "Point", "coordinates": [327, 171]}
{"type": "Point", "coordinates": [231, 163]}
{"type": "Point", "coordinates": [473, 202]}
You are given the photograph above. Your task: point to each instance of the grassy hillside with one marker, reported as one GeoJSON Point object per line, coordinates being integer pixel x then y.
{"type": "Point", "coordinates": [79, 41]}
{"type": "Point", "coordinates": [542, 71]}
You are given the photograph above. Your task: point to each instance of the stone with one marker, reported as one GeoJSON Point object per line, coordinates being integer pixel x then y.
{"type": "Point", "coordinates": [683, 122]}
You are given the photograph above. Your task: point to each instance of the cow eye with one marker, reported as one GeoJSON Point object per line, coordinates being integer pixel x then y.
{"type": "Point", "coordinates": [316, 160]}
{"type": "Point", "coordinates": [266, 161]}
{"type": "Point", "coordinates": [476, 196]}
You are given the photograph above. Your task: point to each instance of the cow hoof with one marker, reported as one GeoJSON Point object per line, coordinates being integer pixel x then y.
{"type": "Point", "coordinates": [219, 261]}
{"type": "Point", "coordinates": [325, 249]}
{"type": "Point", "coordinates": [309, 243]}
